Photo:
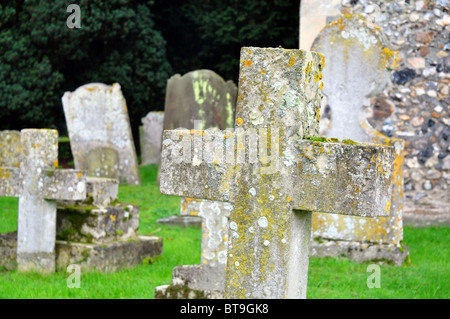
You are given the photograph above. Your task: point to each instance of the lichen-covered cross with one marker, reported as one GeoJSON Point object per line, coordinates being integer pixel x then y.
{"type": "Point", "coordinates": [38, 184]}
{"type": "Point", "coordinates": [273, 193]}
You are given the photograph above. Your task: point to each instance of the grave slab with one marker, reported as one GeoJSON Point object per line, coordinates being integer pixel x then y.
{"type": "Point", "coordinates": [102, 233]}
{"type": "Point", "coordinates": [106, 257]}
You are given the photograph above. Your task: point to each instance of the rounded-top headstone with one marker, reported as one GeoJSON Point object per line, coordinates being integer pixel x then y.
{"type": "Point", "coordinates": [200, 95]}
{"type": "Point", "coordinates": [358, 64]}
{"type": "Point", "coordinates": [97, 116]}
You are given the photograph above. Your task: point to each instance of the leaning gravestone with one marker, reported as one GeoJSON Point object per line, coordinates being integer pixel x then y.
{"type": "Point", "coordinates": [358, 64]}
{"type": "Point", "coordinates": [97, 116]}
{"type": "Point", "coordinates": [273, 194]}
{"type": "Point", "coordinates": [38, 184]}
{"type": "Point", "coordinates": [200, 99]}
{"type": "Point", "coordinates": [151, 137]}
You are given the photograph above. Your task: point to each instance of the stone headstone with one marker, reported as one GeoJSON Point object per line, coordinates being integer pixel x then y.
{"type": "Point", "coordinates": [200, 99]}
{"type": "Point", "coordinates": [9, 148]}
{"type": "Point", "coordinates": [273, 193]}
{"type": "Point", "coordinates": [200, 95]}
{"type": "Point", "coordinates": [38, 184]}
{"type": "Point", "coordinates": [151, 137]}
{"type": "Point", "coordinates": [97, 116]}
{"type": "Point", "coordinates": [358, 65]}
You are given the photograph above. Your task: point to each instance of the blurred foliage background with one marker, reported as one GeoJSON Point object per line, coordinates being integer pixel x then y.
{"type": "Point", "coordinates": [139, 44]}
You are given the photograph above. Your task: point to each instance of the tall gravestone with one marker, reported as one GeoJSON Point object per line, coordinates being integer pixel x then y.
{"type": "Point", "coordinates": [358, 64]}
{"type": "Point", "coordinates": [151, 137]}
{"type": "Point", "coordinates": [276, 183]}
{"type": "Point", "coordinates": [97, 117]}
{"type": "Point", "coordinates": [200, 99]}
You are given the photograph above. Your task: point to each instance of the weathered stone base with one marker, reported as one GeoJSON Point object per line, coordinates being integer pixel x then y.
{"type": "Point", "coordinates": [360, 252]}
{"type": "Point", "coordinates": [104, 257]}
{"type": "Point", "coordinates": [182, 220]}
{"type": "Point", "coordinates": [110, 256]}
{"type": "Point", "coordinates": [42, 262]}
{"type": "Point", "coordinates": [193, 282]}
{"type": "Point", "coordinates": [83, 223]}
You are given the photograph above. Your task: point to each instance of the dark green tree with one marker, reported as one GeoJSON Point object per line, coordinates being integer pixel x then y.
{"type": "Point", "coordinates": [41, 58]}
{"type": "Point", "coordinates": [210, 33]}
{"type": "Point", "coordinates": [124, 41]}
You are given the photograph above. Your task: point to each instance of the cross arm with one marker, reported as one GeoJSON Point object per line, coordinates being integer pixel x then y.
{"type": "Point", "coordinates": [193, 164]}
{"type": "Point", "coordinates": [63, 184]}
{"type": "Point", "coordinates": [344, 179]}
{"type": "Point", "coordinates": [51, 184]}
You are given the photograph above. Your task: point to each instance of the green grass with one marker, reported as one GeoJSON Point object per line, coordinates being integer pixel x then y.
{"type": "Point", "coordinates": [427, 276]}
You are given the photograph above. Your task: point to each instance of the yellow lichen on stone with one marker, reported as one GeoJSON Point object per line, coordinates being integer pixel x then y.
{"type": "Point", "coordinates": [291, 61]}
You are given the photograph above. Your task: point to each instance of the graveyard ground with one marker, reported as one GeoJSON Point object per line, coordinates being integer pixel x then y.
{"type": "Point", "coordinates": [427, 275]}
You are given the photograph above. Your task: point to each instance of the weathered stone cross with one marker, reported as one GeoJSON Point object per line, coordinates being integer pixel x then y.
{"type": "Point", "coordinates": [274, 193]}
{"type": "Point", "coordinates": [38, 184]}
